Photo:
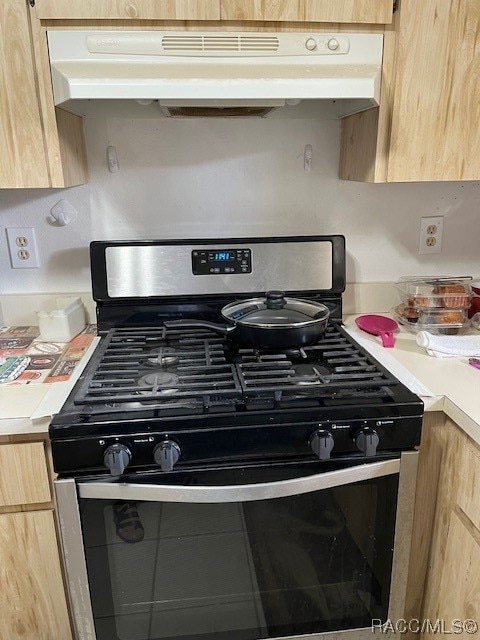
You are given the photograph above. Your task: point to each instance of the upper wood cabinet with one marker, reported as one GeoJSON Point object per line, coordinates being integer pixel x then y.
{"type": "Point", "coordinates": [128, 9]}
{"type": "Point", "coordinates": [426, 128]}
{"type": "Point", "coordinates": [361, 11]}
{"type": "Point", "coordinates": [38, 150]}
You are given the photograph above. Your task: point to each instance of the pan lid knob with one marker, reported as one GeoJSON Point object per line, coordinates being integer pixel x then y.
{"type": "Point", "coordinates": [275, 299]}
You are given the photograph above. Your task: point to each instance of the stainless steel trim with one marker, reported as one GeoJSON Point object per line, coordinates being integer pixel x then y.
{"type": "Point", "coordinates": [403, 534]}
{"type": "Point", "coordinates": [74, 558]}
{"type": "Point", "coordinates": [240, 493]}
{"type": "Point", "coordinates": [166, 270]}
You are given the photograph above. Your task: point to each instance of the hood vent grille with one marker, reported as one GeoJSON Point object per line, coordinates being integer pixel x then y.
{"type": "Point", "coordinates": [216, 112]}
{"type": "Point", "coordinates": [220, 43]}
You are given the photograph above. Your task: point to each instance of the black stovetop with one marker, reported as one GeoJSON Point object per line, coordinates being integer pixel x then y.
{"type": "Point", "coordinates": [160, 372]}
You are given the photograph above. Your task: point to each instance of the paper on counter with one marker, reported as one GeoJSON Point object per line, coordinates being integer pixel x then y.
{"type": "Point", "coordinates": [21, 401]}
{"type": "Point", "coordinates": [57, 393]}
{"type": "Point", "coordinates": [389, 362]}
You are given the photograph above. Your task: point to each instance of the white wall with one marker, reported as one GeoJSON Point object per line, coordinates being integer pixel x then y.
{"type": "Point", "coordinates": [207, 178]}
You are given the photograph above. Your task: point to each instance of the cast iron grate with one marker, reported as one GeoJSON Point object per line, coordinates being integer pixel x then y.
{"type": "Point", "coordinates": [145, 367]}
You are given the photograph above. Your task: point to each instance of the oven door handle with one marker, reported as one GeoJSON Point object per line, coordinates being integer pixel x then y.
{"type": "Point", "coordinates": [236, 493]}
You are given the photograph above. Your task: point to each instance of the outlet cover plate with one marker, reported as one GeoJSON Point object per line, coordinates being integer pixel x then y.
{"type": "Point", "coordinates": [431, 233]}
{"type": "Point", "coordinates": [22, 242]}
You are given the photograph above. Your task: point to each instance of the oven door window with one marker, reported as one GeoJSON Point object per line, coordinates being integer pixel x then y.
{"type": "Point", "coordinates": [309, 563]}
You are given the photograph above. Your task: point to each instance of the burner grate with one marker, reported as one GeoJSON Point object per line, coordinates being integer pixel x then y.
{"type": "Point", "coordinates": [161, 368]}
{"type": "Point", "coordinates": [158, 367]}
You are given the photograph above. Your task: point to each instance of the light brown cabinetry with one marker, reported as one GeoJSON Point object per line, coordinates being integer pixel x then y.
{"type": "Point", "coordinates": [32, 597]}
{"type": "Point", "coordinates": [426, 128]}
{"type": "Point", "coordinates": [360, 11]}
{"type": "Point", "coordinates": [128, 9]}
{"type": "Point", "coordinates": [444, 576]}
{"type": "Point", "coordinates": [39, 147]}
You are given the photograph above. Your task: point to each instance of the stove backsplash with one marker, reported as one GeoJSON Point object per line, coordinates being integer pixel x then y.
{"type": "Point", "coordinates": [197, 178]}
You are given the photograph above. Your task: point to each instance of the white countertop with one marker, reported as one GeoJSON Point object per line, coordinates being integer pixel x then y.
{"type": "Point", "coordinates": [455, 385]}
{"type": "Point", "coordinates": [451, 386]}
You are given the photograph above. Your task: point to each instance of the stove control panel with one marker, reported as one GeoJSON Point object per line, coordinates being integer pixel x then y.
{"type": "Point", "coordinates": [207, 262]}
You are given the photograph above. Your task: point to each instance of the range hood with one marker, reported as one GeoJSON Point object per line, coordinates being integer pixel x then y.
{"type": "Point", "coordinates": [213, 73]}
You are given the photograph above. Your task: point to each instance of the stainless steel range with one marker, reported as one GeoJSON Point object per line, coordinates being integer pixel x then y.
{"type": "Point", "coordinates": [210, 489]}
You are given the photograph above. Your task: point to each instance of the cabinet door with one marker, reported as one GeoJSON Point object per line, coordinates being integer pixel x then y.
{"type": "Point", "coordinates": [129, 9]}
{"type": "Point", "coordinates": [39, 147]}
{"type": "Point", "coordinates": [456, 578]}
{"type": "Point", "coordinates": [32, 597]}
{"type": "Point", "coordinates": [22, 157]}
{"type": "Point", "coordinates": [23, 475]}
{"type": "Point", "coordinates": [362, 11]}
{"type": "Point", "coordinates": [435, 133]}
{"type": "Point", "coordinates": [444, 581]}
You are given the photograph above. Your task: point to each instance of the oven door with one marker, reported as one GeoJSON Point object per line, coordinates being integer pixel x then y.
{"type": "Point", "coordinates": [239, 553]}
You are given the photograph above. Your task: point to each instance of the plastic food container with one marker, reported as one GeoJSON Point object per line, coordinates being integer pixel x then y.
{"type": "Point", "coordinates": [435, 304]}
{"type": "Point", "coordinates": [436, 292]}
{"type": "Point", "coordinates": [64, 322]}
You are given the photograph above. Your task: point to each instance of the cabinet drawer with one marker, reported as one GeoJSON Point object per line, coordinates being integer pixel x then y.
{"type": "Point", "coordinates": [359, 11]}
{"type": "Point", "coordinates": [468, 497]}
{"type": "Point", "coordinates": [131, 10]}
{"type": "Point", "coordinates": [23, 474]}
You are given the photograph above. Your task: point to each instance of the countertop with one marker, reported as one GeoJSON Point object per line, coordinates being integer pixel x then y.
{"type": "Point", "coordinates": [26, 409]}
{"type": "Point", "coordinates": [454, 386]}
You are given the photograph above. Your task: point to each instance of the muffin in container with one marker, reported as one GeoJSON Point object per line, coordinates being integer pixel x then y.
{"type": "Point", "coordinates": [433, 303]}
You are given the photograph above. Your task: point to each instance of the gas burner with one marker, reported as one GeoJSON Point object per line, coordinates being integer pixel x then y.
{"type": "Point", "coordinates": [308, 374]}
{"type": "Point", "coordinates": [163, 356]}
{"type": "Point", "coordinates": [162, 383]}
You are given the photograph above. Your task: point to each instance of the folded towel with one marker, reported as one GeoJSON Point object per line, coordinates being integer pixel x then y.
{"type": "Point", "coordinates": [449, 346]}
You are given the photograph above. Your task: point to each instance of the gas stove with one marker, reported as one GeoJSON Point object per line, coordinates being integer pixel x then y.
{"type": "Point", "coordinates": [167, 398]}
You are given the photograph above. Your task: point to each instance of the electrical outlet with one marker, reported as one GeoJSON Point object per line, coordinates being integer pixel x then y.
{"type": "Point", "coordinates": [431, 232]}
{"type": "Point", "coordinates": [23, 247]}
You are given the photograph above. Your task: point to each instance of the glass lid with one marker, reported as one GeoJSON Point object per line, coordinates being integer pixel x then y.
{"type": "Point", "coordinates": [275, 310]}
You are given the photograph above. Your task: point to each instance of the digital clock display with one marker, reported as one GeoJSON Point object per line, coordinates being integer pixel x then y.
{"type": "Point", "coordinates": [223, 255]}
{"type": "Point", "coordinates": [222, 261]}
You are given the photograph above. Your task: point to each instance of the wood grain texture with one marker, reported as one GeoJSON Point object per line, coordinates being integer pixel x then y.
{"type": "Point", "coordinates": [435, 133]}
{"type": "Point", "coordinates": [358, 148]}
{"type": "Point", "coordinates": [73, 151]}
{"type": "Point", "coordinates": [22, 157]}
{"type": "Point", "coordinates": [227, 25]}
{"type": "Point", "coordinates": [129, 9]}
{"type": "Point", "coordinates": [452, 583]}
{"type": "Point", "coordinates": [23, 474]}
{"type": "Point", "coordinates": [279, 10]}
{"type": "Point", "coordinates": [366, 11]}
{"type": "Point", "coordinates": [363, 11]}
{"type": "Point", "coordinates": [32, 598]}
{"type": "Point", "coordinates": [469, 483]}
{"type": "Point", "coordinates": [365, 139]}
{"type": "Point", "coordinates": [63, 136]}
{"type": "Point", "coordinates": [431, 457]}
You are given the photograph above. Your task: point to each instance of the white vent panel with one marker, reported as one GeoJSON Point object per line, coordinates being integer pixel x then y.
{"type": "Point", "coordinates": [220, 43]}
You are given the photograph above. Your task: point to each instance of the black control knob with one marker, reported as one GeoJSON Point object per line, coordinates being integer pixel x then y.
{"type": "Point", "coordinates": [322, 443]}
{"type": "Point", "coordinates": [367, 441]}
{"type": "Point", "coordinates": [116, 458]}
{"type": "Point", "coordinates": [166, 454]}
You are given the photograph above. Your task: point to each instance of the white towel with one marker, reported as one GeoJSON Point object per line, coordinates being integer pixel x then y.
{"type": "Point", "coordinates": [449, 346]}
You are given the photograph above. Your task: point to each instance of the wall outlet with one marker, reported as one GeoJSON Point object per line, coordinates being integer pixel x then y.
{"type": "Point", "coordinates": [23, 247]}
{"type": "Point", "coordinates": [431, 232]}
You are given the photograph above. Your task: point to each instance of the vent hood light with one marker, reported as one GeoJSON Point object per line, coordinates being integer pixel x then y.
{"type": "Point", "coordinates": [226, 72]}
